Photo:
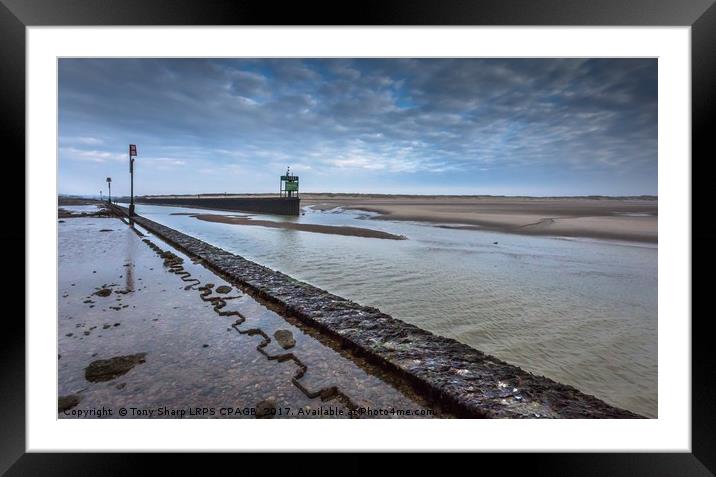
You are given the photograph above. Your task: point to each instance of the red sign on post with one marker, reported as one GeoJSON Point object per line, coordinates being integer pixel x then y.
{"type": "Point", "coordinates": [132, 150]}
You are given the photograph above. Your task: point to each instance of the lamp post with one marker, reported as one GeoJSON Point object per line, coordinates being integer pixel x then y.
{"type": "Point", "coordinates": [132, 155]}
{"type": "Point", "coordinates": [109, 186]}
{"type": "Point", "coordinates": [100, 196]}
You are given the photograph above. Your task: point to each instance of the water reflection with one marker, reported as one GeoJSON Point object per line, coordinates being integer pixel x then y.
{"type": "Point", "coordinates": [129, 282]}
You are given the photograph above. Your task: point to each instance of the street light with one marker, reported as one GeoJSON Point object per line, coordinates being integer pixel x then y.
{"type": "Point", "coordinates": [109, 186]}
{"type": "Point", "coordinates": [132, 155]}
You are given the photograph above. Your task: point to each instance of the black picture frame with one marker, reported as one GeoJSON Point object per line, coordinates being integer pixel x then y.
{"type": "Point", "coordinates": [700, 15]}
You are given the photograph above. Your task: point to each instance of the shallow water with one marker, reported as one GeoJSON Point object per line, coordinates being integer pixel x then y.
{"type": "Point", "coordinates": [580, 311]}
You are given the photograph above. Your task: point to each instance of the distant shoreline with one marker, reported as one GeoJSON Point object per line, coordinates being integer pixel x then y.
{"type": "Point", "coordinates": [612, 218]}
{"type": "Point", "coordinates": [67, 198]}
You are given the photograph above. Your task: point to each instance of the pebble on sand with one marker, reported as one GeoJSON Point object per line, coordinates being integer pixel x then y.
{"type": "Point", "coordinates": [285, 339]}
{"type": "Point", "coordinates": [266, 409]}
{"type": "Point", "coordinates": [67, 402]}
{"type": "Point", "coordinates": [108, 369]}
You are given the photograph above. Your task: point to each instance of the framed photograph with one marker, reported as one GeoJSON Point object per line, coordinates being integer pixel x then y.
{"type": "Point", "coordinates": [418, 228]}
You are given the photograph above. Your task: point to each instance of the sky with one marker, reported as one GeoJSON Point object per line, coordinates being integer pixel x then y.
{"type": "Point", "coordinates": [541, 127]}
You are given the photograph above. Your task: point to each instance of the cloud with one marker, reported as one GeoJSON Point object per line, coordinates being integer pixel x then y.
{"type": "Point", "coordinates": [91, 155]}
{"type": "Point", "coordinates": [440, 119]}
{"type": "Point", "coordinates": [164, 161]}
{"type": "Point", "coordinates": [83, 140]}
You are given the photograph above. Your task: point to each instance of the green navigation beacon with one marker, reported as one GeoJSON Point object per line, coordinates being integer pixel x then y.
{"type": "Point", "coordinates": [289, 185]}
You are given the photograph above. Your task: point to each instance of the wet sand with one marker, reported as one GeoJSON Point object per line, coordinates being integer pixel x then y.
{"type": "Point", "coordinates": [321, 229]}
{"type": "Point", "coordinates": [63, 213]}
{"type": "Point", "coordinates": [140, 325]}
{"type": "Point", "coordinates": [631, 219]}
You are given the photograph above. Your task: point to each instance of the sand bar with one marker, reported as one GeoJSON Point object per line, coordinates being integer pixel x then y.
{"type": "Point", "coordinates": [322, 229]}
{"type": "Point", "coordinates": [632, 219]}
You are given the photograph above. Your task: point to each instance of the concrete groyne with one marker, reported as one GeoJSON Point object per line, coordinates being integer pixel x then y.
{"type": "Point", "coordinates": [262, 205]}
{"type": "Point", "coordinates": [462, 379]}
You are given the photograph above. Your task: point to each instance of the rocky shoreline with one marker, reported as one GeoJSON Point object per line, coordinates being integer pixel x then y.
{"type": "Point", "coordinates": [462, 379]}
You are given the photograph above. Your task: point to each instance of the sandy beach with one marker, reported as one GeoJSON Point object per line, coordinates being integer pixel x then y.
{"type": "Point", "coordinates": [631, 219]}
{"type": "Point", "coordinates": [323, 229]}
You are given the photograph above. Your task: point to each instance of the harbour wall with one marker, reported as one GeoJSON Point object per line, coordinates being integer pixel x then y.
{"type": "Point", "coordinates": [262, 205]}
{"type": "Point", "coordinates": [465, 381]}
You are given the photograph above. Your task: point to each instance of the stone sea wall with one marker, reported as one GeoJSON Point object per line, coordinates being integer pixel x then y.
{"type": "Point", "coordinates": [263, 205]}
{"type": "Point", "coordinates": [462, 379]}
